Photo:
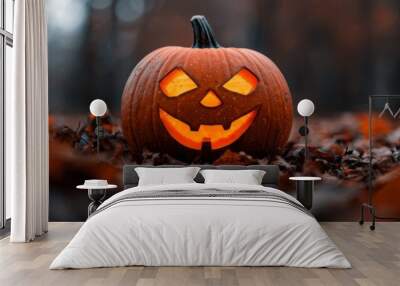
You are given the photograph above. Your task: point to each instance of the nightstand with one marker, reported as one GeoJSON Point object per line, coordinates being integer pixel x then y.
{"type": "Point", "coordinates": [96, 194]}
{"type": "Point", "coordinates": [305, 189]}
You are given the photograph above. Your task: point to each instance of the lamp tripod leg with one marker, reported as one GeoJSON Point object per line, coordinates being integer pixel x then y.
{"type": "Point", "coordinates": [372, 212]}
{"type": "Point", "coordinates": [361, 221]}
{"type": "Point", "coordinates": [372, 227]}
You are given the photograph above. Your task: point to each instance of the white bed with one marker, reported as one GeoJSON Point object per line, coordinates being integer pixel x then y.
{"type": "Point", "coordinates": [202, 231]}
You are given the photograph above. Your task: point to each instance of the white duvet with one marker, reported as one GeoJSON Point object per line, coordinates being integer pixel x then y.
{"type": "Point", "coordinates": [200, 231]}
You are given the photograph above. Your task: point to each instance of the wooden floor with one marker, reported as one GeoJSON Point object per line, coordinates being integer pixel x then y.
{"type": "Point", "coordinates": [375, 257]}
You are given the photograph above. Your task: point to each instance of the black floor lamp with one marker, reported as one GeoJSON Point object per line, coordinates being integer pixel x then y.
{"type": "Point", "coordinates": [369, 204]}
{"type": "Point", "coordinates": [98, 108]}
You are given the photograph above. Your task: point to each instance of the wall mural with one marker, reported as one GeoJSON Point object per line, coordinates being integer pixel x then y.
{"type": "Point", "coordinates": [212, 103]}
{"type": "Point", "coordinates": [202, 100]}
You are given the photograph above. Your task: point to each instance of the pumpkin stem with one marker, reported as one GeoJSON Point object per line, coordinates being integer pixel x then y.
{"type": "Point", "coordinates": [203, 34]}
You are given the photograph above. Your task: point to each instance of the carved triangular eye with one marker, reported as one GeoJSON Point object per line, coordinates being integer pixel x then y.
{"type": "Point", "coordinates": [244, 82]}
{"type": "Point", "coordinates": [176, 83]}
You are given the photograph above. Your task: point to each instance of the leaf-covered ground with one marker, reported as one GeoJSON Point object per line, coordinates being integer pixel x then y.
{"type": "Point", "coordinates": [338, 153]}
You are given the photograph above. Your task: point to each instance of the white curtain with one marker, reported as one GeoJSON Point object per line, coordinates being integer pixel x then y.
{"type": "Point", "coordinates": [27, 124]}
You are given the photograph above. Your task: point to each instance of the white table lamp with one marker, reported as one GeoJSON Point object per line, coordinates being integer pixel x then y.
{"type": "Point", "coordinates": [98, 108]}
{"type": "Point", "coordinates": [305, 108]}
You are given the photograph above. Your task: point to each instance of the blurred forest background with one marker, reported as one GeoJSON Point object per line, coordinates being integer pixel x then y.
{"type": "Point", "coordinates": [334, 52]}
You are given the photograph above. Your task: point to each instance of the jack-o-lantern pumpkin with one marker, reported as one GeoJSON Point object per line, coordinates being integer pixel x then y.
{"type": "Point", "coordinates": [180, 100]}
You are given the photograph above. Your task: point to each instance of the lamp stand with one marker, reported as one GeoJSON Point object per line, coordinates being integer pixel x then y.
{"type": "Point", "coordinates": [369, 206]}
{"type": "Point", "coordinates": [97, 131]}
{"type": "Point", "coordinates": [306, 139]}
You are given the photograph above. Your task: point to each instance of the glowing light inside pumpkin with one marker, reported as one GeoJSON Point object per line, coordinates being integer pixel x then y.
{"type": "Point", "coordinates": [244, 82]}
{"type": "Point", "coordinates": [215, 134]}
{"type": "Point", "coordinates": [211, 100]}
{"type": "Point", "coordinates": [176, 83]}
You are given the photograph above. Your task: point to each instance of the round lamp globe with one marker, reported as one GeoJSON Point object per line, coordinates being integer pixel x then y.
{"type": "Point", "coordinates": [98, 107]}
{"type": "Point", "coordinates": [305, 107]}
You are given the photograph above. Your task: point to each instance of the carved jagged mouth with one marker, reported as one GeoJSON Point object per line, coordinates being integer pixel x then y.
{"type": "Point", "coordinates": [214, 134]}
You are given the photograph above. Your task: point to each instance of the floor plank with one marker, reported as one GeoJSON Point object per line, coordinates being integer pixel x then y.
{"type": "Point", "coordinates": [375, 257]}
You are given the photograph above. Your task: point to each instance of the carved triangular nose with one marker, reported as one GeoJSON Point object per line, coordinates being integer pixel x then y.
{"type": "Point", "coordinates": [211, 100]}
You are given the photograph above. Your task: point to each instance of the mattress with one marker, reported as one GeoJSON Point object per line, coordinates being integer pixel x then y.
{"type": "Point", "coordinates": [201, 225]}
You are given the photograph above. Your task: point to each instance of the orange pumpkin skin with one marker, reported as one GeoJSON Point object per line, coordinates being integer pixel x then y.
{"type": "Point", "coordinates": [144, 101]}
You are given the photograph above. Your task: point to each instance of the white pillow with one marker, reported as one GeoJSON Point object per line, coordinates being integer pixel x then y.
{"type": "Point", "coordinates": [164, 176]}
{"type": "Point", "coordinates": [248, 177]}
